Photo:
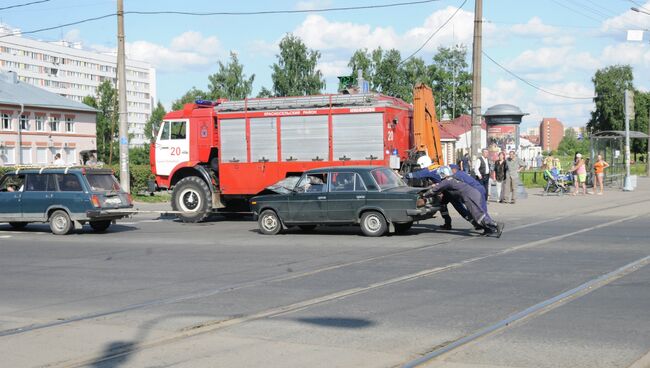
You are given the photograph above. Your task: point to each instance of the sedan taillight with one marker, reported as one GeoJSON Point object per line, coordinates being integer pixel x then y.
{"type": "Point", "coordinates": [130, 198]}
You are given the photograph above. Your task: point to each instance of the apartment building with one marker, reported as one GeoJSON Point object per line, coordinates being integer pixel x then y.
{"type": "Point", "coordinates": [551, 132]}
{"type": "Point", "coordinates": [36, 124]}
{"type": "Point", "coordinates": [70, 71]}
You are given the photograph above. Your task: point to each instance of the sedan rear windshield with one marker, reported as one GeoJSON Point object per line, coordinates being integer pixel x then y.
{"type": "Point", "coordinates": [103, 182]}
{"type": "Point", "coordinates": [386, 178]}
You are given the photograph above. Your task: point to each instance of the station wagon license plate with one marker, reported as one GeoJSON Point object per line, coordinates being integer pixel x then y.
{"type": "Point", "coordinates": [113, 201]}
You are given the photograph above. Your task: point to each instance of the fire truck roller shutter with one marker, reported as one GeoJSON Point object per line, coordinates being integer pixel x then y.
{"type": "Point", "coordinates": [264, 139]}
{"type": "Point", "coordinates": [233, 140]}
{"type": "Point", "coordinates": [358, 136]}
{"type": "Point", "coordinates": [305, 138]}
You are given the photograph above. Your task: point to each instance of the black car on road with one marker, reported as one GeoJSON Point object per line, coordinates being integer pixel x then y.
{"type": "Point", "coordinates": [374, 197]}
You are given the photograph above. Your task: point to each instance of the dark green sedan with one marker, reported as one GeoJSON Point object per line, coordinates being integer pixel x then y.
{"type": "Point", "coordinates": [373, 197]}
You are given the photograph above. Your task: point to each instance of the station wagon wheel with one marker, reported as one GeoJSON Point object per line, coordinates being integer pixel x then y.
{"type": "Point", "coordinates": [373, 223]}
{"type": "Point", "coordinates": [18, 225]}
{"type": "Point", "coordinates": [100, 226]}
{"type": "Point", "coordinates": [60, 223]}
{"type": "Point", "coordinates": [269, 223]}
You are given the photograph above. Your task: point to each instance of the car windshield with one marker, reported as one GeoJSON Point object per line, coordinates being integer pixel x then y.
{"type": "Point", "coordinates": [103, 182]}
{"type": "Point", "coordinates": [386, 178]}
{"type": "Point", "coordinates": [285, 185]}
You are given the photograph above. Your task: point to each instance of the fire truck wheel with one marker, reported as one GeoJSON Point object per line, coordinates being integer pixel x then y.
{"type": "Point", "coordinates": [269, 223]}
{"type": "Point", "coordinates": [373, 223]}
{"type": "Point", "coordinates": [192, 197]}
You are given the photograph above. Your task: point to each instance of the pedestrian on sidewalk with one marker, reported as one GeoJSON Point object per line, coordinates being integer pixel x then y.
{"type": "Point", "coordinates": [500, 169]}
{"type": "Point", "coordinates": [482, 171]}
{"type": "Point", "coordinates": [599, 169]}
{"type": "Point", "coordinates": [513, 166]}
{"type": "Point", "coordinates": [580, 174]}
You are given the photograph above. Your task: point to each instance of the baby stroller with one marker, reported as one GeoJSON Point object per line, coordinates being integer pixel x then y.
{"type": "Point", "coordinates": [556, 182]}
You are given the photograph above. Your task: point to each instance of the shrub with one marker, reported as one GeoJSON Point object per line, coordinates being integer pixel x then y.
{"type": "Point", "coordinates": [140, 176]}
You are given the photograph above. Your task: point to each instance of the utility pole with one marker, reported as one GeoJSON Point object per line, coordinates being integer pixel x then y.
{"type": "Point", "coordinates": [476, 79]}
{"type": "Point", "coordinates": [629, 110]}
{"type": "Point", "coordinates": [125, 181]}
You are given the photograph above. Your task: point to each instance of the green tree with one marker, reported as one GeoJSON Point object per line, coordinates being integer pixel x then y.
{"type": "Point", "coordinates": [151, 128]}
{"type": "Point", "coordinates": [570, 144]}
{"type": "Point", "coordinates": [381, 69]}
{"type": "Point", "coordinates": [139, 155]}
{"type": "Point", "coordinates": [610, 84]}
{"type": "Point", "coordinates": [295, 73]}
{"type": "Point", "coordinates": [412, 72]}
{"type": "Point", "coordinates": [230, 81]}
{"type": "Point", "coordinates": [640, 123]}
{"type": "Point", "coordinates": [107, 118]}
{"type": "Point", "coordinates": [265, 93]}
{"type": "Point", "coordinates": [189, 97]}
{"type": "Point", "coordinates": [451, 81]}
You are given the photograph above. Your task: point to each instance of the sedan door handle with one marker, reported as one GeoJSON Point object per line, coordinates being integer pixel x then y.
{"type": "Point", "coordinates": [322, 197]}
{"type": "Point", "coordinates": [361, 197]}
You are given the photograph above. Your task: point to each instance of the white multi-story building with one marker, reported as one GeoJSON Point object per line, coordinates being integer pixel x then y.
{"type": "Point", "coordinates": [67, 69]}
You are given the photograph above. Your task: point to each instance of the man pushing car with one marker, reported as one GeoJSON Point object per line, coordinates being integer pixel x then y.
{"type": "Point", "coordinates": [471, 197]}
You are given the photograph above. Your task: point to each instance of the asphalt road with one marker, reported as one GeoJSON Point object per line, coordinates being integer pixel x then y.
{"type": "Point", "coordinates": [567, 285]}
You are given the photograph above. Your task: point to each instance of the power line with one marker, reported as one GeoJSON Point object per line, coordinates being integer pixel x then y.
{"type": "Point", "coordinates": [434, 33]}
{"type": "Point", "coordinates": [294, 11]}
{"type": "Point", "coordinates": [391, 5]}
{"type": "Point", "coordinates": [534, 86]}
{"type": "Point", "coordinates": [63, 25]}
{"type": "Point", "coordinates": [25, 4]}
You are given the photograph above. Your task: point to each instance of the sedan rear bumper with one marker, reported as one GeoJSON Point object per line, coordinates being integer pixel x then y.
{"type": "Point", "coordinates": [422, 212]}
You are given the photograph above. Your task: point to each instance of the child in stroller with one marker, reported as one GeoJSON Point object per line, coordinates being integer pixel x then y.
{"type": "Point", "coordinates": [556, 182]}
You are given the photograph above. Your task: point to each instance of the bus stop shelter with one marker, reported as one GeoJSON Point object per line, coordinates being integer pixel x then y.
{"type": "Point", "coordinates": [611, 144]}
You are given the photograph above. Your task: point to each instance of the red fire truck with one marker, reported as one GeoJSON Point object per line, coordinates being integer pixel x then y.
{"type": "Point", "coordinates": [216, 155]}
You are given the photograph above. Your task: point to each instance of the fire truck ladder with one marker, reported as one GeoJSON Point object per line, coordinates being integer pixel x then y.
{"type": "Point", "coordinates": [287, 103]}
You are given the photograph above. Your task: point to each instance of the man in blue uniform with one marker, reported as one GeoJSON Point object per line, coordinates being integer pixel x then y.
{"type": "Point", "coordinates": [471, 197]}
{"type": "Point", "coordinates": [468, 179]}
{"type": "Point", "coordinates": [430, 172]}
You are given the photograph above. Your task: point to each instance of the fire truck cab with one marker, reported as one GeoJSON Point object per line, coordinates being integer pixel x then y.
{"type": "Point", "coordinates": [217, 155]}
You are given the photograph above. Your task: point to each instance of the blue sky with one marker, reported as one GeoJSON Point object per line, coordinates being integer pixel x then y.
{"type": "Point", "coordinates": [555, 44]}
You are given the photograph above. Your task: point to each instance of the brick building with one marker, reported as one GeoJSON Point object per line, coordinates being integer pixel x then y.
{"type": "Point", "coordinates": [551, 132]}
{"type": "Point", "coordinates": [36, 124]}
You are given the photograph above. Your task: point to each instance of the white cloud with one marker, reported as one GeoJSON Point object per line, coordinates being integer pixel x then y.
{"type": "Point", "coordinates": [320, 33]}
{"type": "Point", "coordinates": [334, 68]}
{"type": "Point", "coordinates": [534, 28]}
{"type": "Point", "coordinates": [313, 4]}
{"type": "Point", "coordinates": [186, 51]}
{"type": "Point", "coordinates": [628, 20]}
{"type": "Point", "coordinates": [73, 35]}
{"type": "Point", "coordinates": [627, 53]}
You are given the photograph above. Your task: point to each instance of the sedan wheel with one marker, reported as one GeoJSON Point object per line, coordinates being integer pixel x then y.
{"type": "Point", "coordinates": [373, 224]}
{"type": "Point", "coordinates": [269, 223]}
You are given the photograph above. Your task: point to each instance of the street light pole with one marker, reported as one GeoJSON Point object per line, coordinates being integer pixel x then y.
{"type": "Point", "coordinates": [476, 79]}
{"type": "Point", "coordinates": [125, 181]}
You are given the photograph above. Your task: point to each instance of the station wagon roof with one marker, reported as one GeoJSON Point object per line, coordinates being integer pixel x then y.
{"type": "Point", "coordinates": [344, 168]}
{"type": "Point", "coordinates": [59, 170]}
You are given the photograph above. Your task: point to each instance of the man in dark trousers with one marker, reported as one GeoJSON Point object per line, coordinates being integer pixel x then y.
{"type": "Point", "coordinates": [467, 179]}
{"type": "Point", "coordinates": [431, 172]}
{"type": "Point", "coordinates": [470, 196]}
{"type": "Point", "coordinates": [482, 171]}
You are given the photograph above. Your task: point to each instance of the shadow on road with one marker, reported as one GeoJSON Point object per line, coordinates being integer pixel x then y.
{"type": "Point", "coordinates": [337, 322]}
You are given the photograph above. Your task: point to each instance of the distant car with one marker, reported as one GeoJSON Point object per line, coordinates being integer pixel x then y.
{"type": "Point", "coordinates": [373, 197]}
{"type": "Point", "coordinates": [61, 197]}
